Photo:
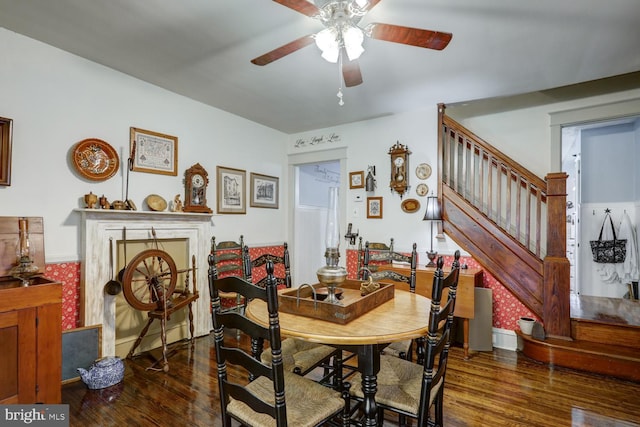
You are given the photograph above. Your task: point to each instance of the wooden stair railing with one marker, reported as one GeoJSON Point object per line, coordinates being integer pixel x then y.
{"type": "Point", "coordinates": [510, 220]}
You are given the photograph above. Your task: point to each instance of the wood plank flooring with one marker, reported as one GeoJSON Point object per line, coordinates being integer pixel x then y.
{"type": "Point", "coordinates": [499, 388]}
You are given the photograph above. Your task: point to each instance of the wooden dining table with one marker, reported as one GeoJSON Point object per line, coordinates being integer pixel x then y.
{"type": "Point", "coordinates": [403, 317]}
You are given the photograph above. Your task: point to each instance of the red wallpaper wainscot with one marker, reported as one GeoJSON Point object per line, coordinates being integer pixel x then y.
{"type": "Point", "coordinates": [506, 307]}
{"type": "Point", "coordinates": [68, 273]}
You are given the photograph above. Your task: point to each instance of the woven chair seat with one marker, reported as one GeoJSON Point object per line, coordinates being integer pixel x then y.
{"type": "Point", "coordinates": [399, 384]}
{"type": "Point", "coordinates": [308, 403]}
{"type": "Point", "coordinates": [300, 356]}
{"type": "Point", "coordinates": [398, 349]}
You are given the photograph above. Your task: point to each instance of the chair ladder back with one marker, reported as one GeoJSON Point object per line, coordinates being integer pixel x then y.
{"type": "Point", "coordinates": [228, 256]}
{"type": "Point", "coordinates": [411, 259]}
{"type": "Point", "coordinates": [285, 260]}
{"type": "Point", "coordinates": [238, 356]}
{"type": "Point", "coordinates": [438, 339]}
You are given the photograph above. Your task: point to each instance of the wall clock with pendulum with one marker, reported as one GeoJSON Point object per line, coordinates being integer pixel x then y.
{"type": "Point", "coordinates": [399, 166]}
{"type": "Point", "coordinates": [195, 184]}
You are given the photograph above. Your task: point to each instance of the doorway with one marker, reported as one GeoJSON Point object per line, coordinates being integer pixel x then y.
{"type": "Point", "coordinates": [601, 159]}
{"type": "Point", "coordinates": [311, 176]}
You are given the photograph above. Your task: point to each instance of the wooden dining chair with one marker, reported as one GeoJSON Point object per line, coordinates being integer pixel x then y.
{"type": "Point", "coordinates": [229, 259]}
{"type": "Point", "coordinates": [275, 396]}
{"type": "Point", "coordinates": [402, 349]}
{"type": "Point", "coordinates": [416, 390]}
{"type": "Point", "coordinates": [379, 254]}
{"type": "Point", "coordinates": [300, 357]}
{"type": "Point", "coordinates": [282, 266]}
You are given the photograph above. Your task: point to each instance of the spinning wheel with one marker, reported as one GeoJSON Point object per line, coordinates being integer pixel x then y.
{"type": "Point", "coordinates": [149, 284]}
{"type": "Point", "coordinates": [150, 276]}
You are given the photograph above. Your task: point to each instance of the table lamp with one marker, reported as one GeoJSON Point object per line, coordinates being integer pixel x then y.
{"type": "Point", "coordinates": [331, 275]}
{"type": "Point", "coordinates": [432, 214]}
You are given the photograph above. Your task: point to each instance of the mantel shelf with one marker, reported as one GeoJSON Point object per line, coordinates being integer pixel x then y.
{"type": "Point", "coordinates": [114, 214]}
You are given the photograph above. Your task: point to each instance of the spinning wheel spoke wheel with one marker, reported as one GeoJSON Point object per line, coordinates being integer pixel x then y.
{"type": "Point", "coordinates": [149, 279]}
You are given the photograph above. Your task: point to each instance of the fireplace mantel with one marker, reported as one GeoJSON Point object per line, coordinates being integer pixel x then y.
{"type": "Point", "coordinates": [99, 225]}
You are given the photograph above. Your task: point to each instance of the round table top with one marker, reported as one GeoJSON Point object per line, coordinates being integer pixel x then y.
{"type": "Point", "coordinates": [403, 317]}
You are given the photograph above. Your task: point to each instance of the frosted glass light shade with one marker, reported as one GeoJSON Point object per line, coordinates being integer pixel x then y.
{"type": "Point", "coordinates": [327, 42]}
{"type": "Point", "coordinates": [353, 38]}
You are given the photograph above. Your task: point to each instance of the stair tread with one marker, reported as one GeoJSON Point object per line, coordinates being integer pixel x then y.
{"type": "Point", "coordinates": [619, 351]}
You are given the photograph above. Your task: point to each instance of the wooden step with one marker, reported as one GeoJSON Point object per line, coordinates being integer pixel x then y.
{"type": "Point", "coordinates": [612, 333]}
{"type": "Point", "coordinates": [619, 361]}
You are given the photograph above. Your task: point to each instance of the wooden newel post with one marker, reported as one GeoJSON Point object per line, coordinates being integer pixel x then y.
{"type": "Point", "coordinates": [556, 304]}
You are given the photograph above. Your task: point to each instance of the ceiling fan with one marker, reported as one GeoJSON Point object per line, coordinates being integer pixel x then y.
{"type": "Point", "coordinates": [343, 37]}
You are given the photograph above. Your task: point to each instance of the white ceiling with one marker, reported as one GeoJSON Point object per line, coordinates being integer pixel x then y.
{"type": "Point", "coordinates": [202, 48]}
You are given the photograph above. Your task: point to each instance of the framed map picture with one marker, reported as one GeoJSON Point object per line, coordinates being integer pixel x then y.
{"type": "Point", "coordinates": [153, 152]}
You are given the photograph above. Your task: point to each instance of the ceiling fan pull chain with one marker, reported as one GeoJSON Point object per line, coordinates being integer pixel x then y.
{"type": "Point", "coordinates": [339, 94]}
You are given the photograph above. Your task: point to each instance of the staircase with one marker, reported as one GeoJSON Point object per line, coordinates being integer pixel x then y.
{"type": "Point", "coordinates": [513, 223]}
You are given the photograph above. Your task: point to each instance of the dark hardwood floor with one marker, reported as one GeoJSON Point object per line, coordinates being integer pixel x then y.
{"type": "Point", "coordinates": [499, 388]}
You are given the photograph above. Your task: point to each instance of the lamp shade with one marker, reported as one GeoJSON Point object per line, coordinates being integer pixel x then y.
{"type": "Point", "coordinates": [433, 209]}
{"type": "Point", "coordinates": [352, 38]}
{"type": "Point", "coordinates": [327, 41]}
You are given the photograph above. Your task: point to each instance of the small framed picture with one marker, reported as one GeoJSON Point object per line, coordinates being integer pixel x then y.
{"type": "Point", "coordinates": [264, 191]}
{"type": "Point", "coordinates": [232, 194]}
{"type": "Point", "coordinates": [5, 151]}
{"type": "Point", "coordinates": [374, 207]}
{"type": "Point", "coordinates": [356, 179]}
{"type": "Point", "coordinates": [153, 152]}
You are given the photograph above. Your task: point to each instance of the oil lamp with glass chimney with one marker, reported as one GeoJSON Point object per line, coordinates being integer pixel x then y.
{"type": "Point", "coordinates": [332, 275]}
{"type": "Point", "coordinates": [24, 268]}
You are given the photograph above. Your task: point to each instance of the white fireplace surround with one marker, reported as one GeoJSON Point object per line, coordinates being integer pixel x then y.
{"type": "Point", "coordinates": [98, 307]}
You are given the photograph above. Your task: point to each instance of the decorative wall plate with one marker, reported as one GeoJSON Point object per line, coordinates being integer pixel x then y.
{"type": "Point", "coordinates": [95, 159]}
{"type": "Point", "coordinates": [422, 189]}
{"type": "Point", "coordinates": [423, 171]}
{"type": "Point", "coordinates": [410, 205]}
{"type": "Point", "coordinates": [156, 203]}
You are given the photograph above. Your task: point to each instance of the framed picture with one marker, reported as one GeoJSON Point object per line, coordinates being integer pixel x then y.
{"type": "Point", "coordinates": [356, 179]}
{"type": "Point", "coordinates": [264, 191]}
{"type": "Point", "coordinates": [232, 190]}
{"type": "Point", "coordinates": [5, 150]}
{"type": "Point", "coordinates": [153, 152]}
{"type": "Point", "coordinates": [374, 207]}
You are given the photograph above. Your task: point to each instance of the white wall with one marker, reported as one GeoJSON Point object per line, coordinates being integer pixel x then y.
{"type": "Point", "coordinates": [57, 99]}
{"type": "Point", "coordinates": [368, 143]}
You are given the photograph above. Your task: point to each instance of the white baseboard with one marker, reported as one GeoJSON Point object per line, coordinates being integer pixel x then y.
{"type": "Point", "coordinates": [505, 339]}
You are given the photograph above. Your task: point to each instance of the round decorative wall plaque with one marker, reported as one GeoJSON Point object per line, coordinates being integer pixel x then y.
{"type": "Point", "coordinates": [95, 159]}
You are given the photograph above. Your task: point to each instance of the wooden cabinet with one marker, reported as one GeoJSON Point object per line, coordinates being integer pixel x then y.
{"type": "Point", "coordinates": [31, 341]}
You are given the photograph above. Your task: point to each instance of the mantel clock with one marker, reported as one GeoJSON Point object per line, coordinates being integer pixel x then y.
{"type": "Point", "coordinates": [195, 184]}
{"type": "Point", "coordinates": [399, 168]}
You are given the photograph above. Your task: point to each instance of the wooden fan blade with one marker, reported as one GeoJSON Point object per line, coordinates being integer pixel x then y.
{"type": "Point", "coordinates": [406, 35]}
{"type": "Point", "coordinates": [351, 73]}
{"type": "Point", "coordinates": [282, 51]}
{"type": "Point", "coordinates": [302, 6]}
